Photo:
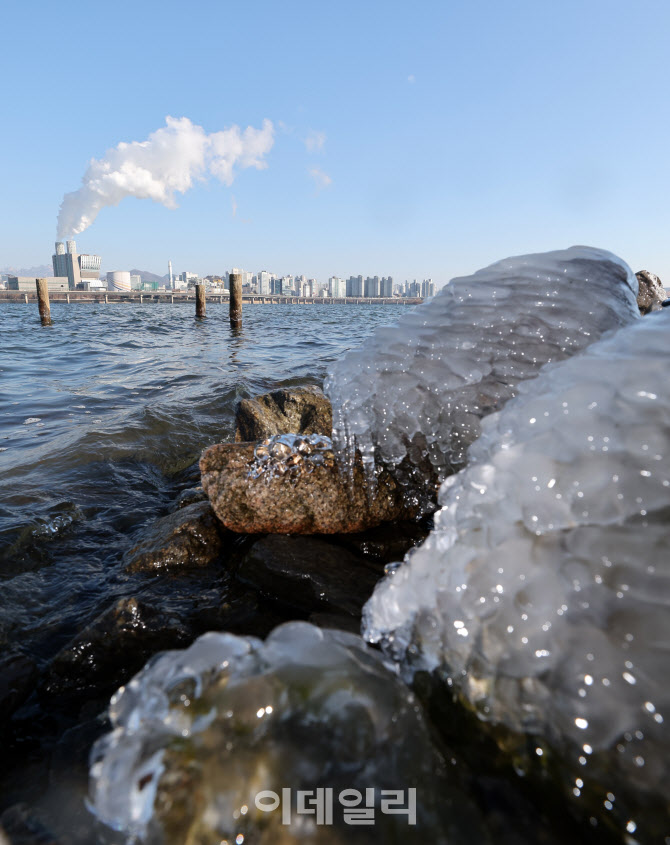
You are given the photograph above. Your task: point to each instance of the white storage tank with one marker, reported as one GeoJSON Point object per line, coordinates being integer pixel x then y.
{"type": "Point", "coordinates": [118, 280]}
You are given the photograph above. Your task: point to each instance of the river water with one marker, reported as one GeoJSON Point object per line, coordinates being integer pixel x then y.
{"type": "Point", "coordinates": [102, 418]}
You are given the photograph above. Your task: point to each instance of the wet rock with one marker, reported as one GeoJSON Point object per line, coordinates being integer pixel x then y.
{"type": "Point", "coordinates": [337, 621]}
{"type": "Point", "coordinates": [387, 543]}
{"type": "Point", "coordinates": [309, 573]}
{"type": "Point", "coordinates": [651, 294]}
{"type": "Point", "coordinates": [302, 410]}
{"type": "Point", "coordinates": [17, 678]}
{"type": "Point", "coordinates": [111, 649]}
{"type": "Point", "coordinates": [191, 496]}
{"type": "Point", "coordinates": [190, 537]}
{"type": "Point", "coordinates": [322, 502]}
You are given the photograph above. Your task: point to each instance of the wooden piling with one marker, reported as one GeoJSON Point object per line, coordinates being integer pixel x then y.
{"type": "Point", "coordinates": [67, 298]}
{"type": "Point", "coordinates": [25, 298]}
{"type": "Point", "coordinates": [43, 301]}
{"type": "Point", "coordinates": [235, 285]}
{"type": "Point", "coordinates": [199, 300]}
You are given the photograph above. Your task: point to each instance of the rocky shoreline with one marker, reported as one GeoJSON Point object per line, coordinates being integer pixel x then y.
{"type": "Point", "coordinates": [267, 577]}
{"type": "Point", "coordinates": [273, 533]}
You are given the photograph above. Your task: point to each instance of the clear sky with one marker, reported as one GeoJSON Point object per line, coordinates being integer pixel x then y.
{"type": "Point", "coordinates": [414, 139]}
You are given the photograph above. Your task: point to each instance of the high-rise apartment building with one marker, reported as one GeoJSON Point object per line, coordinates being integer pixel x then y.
{"type": "Point", "coordinates": [372, 286]}
{"type": "Point", "coordinates": [427, 288]}
{"type": "Point", "coordinates": [264, 282]}
{"type": "Point", "coordinates": [77, 268]}
{"type": "Point", "coordinates": [355, 286]}
{"type": "Point", "coordinates": [337, 287]}
{"type": "Point", "coordinates": [386, 287]}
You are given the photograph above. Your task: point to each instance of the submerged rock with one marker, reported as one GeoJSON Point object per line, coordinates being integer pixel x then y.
{"type": "Point", "coordinates": [190, 537]}
{"type": "Point", "coordinates": [417, 391]}
{"type": "Point", "coordinates": [651, 294]}
{"type": "Point", "coordinates": [204, 739]}
{"type": "Point", "coordinates": [541, 596]}
{"type": "Point", "coordinates": [302, 410]}
{"type": "Point", "coordinates": [22, 825]}
{"type": "Point", "coordinates": [18, 673]}
{"type": "Point", "coordinates": [308, 573]}
{"type": "Point", "coordinates": [322, 500]}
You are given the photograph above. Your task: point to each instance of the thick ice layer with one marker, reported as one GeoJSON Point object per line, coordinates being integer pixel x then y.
{"type": "Point", "coordinates": [420, 388]}
{"type": "Point", "coordinates": [543, 593]}
{"type": "Point", "coordinates": [198, 734]}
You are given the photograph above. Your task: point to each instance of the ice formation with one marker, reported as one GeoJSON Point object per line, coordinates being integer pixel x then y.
{"type": "Point", "coordinates": [291, 454]}
{"type": "Point", "coordinates": [198, 734]}
{"type": "Point", "coordinates": [420, 388]}
{"type": "Point", "coordinates": [542, 594]}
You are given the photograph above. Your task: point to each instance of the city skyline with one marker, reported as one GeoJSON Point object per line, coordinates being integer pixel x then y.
{"type": "Point", "coordinates": [415, 143]}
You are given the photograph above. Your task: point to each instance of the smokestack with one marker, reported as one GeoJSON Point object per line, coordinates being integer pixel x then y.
{"type": "Point", "coordinates": [170, 272]}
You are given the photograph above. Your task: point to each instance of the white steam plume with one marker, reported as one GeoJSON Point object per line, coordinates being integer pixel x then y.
{"type": "Point", "coordinates": [167, 163]}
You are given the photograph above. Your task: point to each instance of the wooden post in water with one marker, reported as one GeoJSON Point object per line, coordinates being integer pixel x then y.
{"type": "Point", "coordinates": [235, 285]}
{"type": "Point", "coordinates": [43, 301]}
{"type": "Point", "coordinates": [106, 299]}
{"type": "Point", "coordinates": [67, 297]}
{"type": "Point", "coordinates": [199, 300]}
{"type": "Point", "coordinates": [25, 298]}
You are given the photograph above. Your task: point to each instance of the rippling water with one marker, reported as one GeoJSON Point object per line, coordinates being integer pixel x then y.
{"type": "Point", "coordinates": [102, 418]}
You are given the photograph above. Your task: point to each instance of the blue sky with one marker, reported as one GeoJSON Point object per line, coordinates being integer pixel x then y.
{"type": "Point", "coordinates": [453, 133]}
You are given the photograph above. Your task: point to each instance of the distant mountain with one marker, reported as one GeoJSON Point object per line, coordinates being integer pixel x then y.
{"type": "Point", "coordinates": [146, 276]}
{"type": "Point", "coordinates": [40, 271]}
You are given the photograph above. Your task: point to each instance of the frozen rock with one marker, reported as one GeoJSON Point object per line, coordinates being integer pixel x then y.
{"type": "Point", "coordinates": [651, 293]}
{"type": "Point", "coordinates": [200, 734]}
{"type": "Point", "coordinates": [542, 594]}
{"type": "Point", "coordinates": [418, 390]}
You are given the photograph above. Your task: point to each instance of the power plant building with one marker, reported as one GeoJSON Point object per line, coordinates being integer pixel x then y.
{"type": "Point", "coordinates": [119, 280]}
{"type": "Point", "coordinates": [79, 269]}
{"type": "Point", "coordinates": [27, 284]}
